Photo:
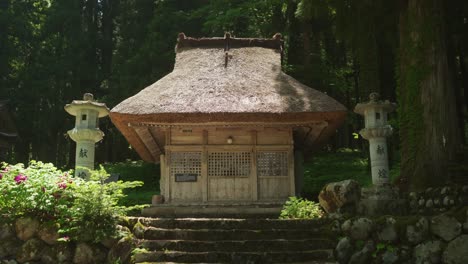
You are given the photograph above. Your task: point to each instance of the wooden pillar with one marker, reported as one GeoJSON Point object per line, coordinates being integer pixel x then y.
{"type": "Point", "coordinates": [163, 180]}
{"type": "Point", "coordinates": [204, 168]}
{"type": "Point", "coordinates": [167, 168]}
{"type": "Point", "coordinates": [253, 170]}
{"type": "Point", "coordinates": [292, 185]}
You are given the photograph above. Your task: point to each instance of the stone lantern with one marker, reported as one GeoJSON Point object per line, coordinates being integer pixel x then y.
{"type": "Point", "coordinates": [381, 198]}
{"type": "Point", "coordinates": [377, 130]}
{"type": "Point", "coordinates": [86, 131]}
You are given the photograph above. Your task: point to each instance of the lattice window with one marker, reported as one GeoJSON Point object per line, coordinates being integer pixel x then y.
{"type": "Point", "coordinates": [225, 164]}
{"type": "Point", "coordinates": [186, 162]}
{"type": "Point", "coordinates": [272, 163]}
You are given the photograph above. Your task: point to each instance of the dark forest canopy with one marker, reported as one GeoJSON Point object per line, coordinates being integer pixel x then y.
{"type": "Point", "coordinates": [413, 52]}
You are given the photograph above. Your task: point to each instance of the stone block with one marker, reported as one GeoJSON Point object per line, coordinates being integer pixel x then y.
{"type": "Point", "coordinates": [121, 251]}
{"type": "Point", "coordinates": [358, 229]}
{"type": "Point", "coordinates": [9, 247]}
{"type": "Point", "coordinates": [415, 234]}
{"type": "Point", "coordinates": [343, 250]}
{"type": "Point", "coordinates": [26, 228]}
{"type": "Point", "coordinates": [31, 250]}
{"type": "Point", "coordinates": [89, 254]}
{"type": "Point", "coordinates": [61, 253]}
{"type": "Point", "coordinates": [457, 251]}
{"type": "Point", "coordinates": [388, 231]}
{"type": "Point", "coordinates": [381, 200]}
{"type": "Point", "coordinates": [6, 231]}
{"type": "Point", "coordinates": [339, 196]}
{"type": "Point", "coordinates": [445, 227]}
{"type": "Point", "coordinates": [48, 234]}
{"type": "Point", "coordinates": [428, 252]}
{"type": "Point", "coordinates": [364, 255]}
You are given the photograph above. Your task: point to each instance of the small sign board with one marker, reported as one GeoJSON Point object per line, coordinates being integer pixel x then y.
{"type": "Point", "coordinates": [112, 178]}
{"type": "Point", "coordinates": [186, 177]}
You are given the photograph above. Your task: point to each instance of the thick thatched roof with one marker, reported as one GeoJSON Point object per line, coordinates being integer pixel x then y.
{"type": "Point", "coordinates": [251, 82]}
{"type": "Point", "coordinates": [227, 80]}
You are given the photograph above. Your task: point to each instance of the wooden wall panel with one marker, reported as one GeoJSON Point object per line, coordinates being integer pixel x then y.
{"type": "Point", "coordinates": [239, 136]}
{"type": "Point", "coordinates": [186, 191]}
{"type": "Point", "coordinates": [229, 188]}
{"type": "Point", "coordinates": [189, 136]}
{"type": "Point", "coordinates": [273, 188]}
{"type": "Point", "coordinates": [274, 136]}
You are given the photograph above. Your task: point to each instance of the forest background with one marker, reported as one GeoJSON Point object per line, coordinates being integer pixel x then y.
{"type": "Point", "coordinates": [412, 52]}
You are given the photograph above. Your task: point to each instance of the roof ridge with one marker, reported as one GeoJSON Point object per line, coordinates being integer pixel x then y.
{"type": "Point", "coordinates": [275, 42]}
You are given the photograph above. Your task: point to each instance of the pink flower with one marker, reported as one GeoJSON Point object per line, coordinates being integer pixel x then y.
{"type": "Point", "coordinates": [62, 185]}
{"type": "Point", "coordinates": [65, 238]}
{"type": "Point", "coordinates": [20, 178]}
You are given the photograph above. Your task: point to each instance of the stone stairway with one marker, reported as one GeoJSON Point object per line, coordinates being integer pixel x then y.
{"type": "Point", "coordinates": [223, 240]}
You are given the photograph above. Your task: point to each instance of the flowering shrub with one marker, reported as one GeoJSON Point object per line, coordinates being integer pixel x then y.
{"type": "Point", "coordinates": [299, 208]}
{"type": "Point", "coordinates": [83, 210]}
{"type": "Point", "coordinates": [31, 191]}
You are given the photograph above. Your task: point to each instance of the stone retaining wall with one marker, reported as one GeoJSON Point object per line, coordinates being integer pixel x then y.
{"type": "Point", "coordinates": [442, 238]}
{"type": "Point", "coordinates": [437, 200]}
{"type": "Point", "coordinates": [28, 241]}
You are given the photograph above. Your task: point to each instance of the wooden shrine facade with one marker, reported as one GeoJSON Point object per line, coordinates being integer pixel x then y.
{"type": "Point", "coordinates": [210, 164]}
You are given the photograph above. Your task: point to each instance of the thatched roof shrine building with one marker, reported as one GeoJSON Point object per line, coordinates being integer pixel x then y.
{"type": "Point", "coordinates": [226, 121]}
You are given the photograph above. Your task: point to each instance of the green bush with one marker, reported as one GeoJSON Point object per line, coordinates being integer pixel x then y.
{"type": "Point", "coordinates": [344, 164]}
{"type": "Point", "coordinates": [83, 210]}
{"type": "Point", "coordinates": [147, 172]}
{"type": "Point", "coordinates": [299, 208]}
{"type": "Point", "coordinates": [329, 167]}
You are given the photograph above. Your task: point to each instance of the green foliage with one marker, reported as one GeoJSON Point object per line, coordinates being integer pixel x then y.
{"type": "Point", "coordinates": [149, 173]}
{"type": "Point", "coordinates": [35, 191]}
{"type": "Point", "coordinates": [94, 211]}
{"type": "Point", "coordinates": [335, 166]}
{"type": "Point", "coordinates": [381, 248]}
{"type": "Point", "coordinates": [341, 165]}
{"type": "Point", "coordinates": [241, 18]}
{"type": "Point", "coordinates": [299, 208]}
{"type": "Point", "coordinates": [83, 210]}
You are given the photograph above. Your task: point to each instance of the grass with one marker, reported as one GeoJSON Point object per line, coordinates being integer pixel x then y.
{"type": "Point", "coordinates": [336, 166]}
{"type": "Point", "coordinates": [148, 173]}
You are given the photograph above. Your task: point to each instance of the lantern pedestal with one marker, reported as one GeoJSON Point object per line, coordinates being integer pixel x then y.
{"type": "Point", "coordinates": [86, 131]}
{"type": "Point", "coordinates": [381, 198]}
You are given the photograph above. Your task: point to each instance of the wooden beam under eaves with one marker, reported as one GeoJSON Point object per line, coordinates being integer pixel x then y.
{"type": "Point", "coordinates": [147, 139]}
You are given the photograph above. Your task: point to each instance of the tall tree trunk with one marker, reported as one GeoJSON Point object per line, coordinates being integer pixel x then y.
{"type": "Point", "coordinates": [367, 53]}
{"type": "Point", "coordinates": [428, 127]}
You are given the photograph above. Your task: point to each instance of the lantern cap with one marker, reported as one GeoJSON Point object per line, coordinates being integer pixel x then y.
{"type": "Point", "coordinates": [375, 103]}
{"type": "Point", "coordinates": [88, 102]}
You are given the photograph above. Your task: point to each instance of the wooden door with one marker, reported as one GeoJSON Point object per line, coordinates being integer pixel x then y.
{"type": "Point", "coordinates": [185, 176]}
{"type": "Point", "coordinates": [229, 174]}
{"type": "Point", "coordinates": [273, 174]}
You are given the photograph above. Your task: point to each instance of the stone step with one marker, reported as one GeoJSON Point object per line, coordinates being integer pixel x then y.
{"type": "Point", "coordinates": [228, 223]}
{"type": "Point", "coordinates": [248, 210]}
{"type": "Point", "coordinates": [277, 245]}
{"type": "Point", "coordinates": [234, 257]}
{"type": "Point", "coordinates": [306, 262]}
{"type": "Point", "coordinates": [153, 233]}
